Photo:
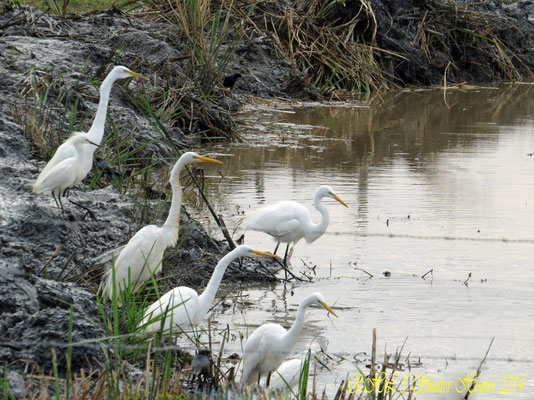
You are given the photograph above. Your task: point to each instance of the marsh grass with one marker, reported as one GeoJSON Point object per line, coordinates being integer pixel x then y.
{"type": "Point", "coordinates": [64, 7]}
{"type": "Point", "coordinates": [47, 112]}
{"type": "Point", "coordinates": [332, 52]}
{"type": "Point", "coordinates": [209, 31]}
{"type": "Point", "coordinates": [137, 366]}
{"type": "Point", "coordinates": [470, 39]}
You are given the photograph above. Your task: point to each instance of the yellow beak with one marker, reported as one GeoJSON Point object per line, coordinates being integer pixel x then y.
{"type": "Point", "coordinates": [94, 144]}
{"type": "Point", "coordinates": [341, 201]}
{"type": "Point", "coordinates": [207, 159]}
{"type": "Point", "coordinates": [327, 307]}
{"type": "Point", "coordinates": [137, 75]}
{"type": "Point", "coordinates": [262, 253]}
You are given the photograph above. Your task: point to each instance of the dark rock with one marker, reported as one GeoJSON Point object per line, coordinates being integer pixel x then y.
{"type": "Point", "coordinates": [230, 80]}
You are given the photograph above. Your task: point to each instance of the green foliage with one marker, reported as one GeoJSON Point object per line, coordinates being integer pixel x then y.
{"type": "Point", "coordinates": [4, 382]}
{"type": "Point", "coordinates": [303, 377]}
{"type": "Point", "coordinates": [62, 7]}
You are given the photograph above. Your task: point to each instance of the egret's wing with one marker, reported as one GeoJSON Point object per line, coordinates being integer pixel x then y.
{"type": "Point", "coordinates": [258, 349]}
{"type": "Point", "coordinates": [66, 150]}
{"type": "Point", "coordinates": [177, 308]}
{"type": "Point", "coordinates": [276, 219]}
{"type": "Point", "coordinates": [138, 258]}
{"type": "Point", "coordinates": [61, 175]}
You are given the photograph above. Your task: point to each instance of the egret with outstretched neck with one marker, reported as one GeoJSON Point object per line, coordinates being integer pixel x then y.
{"type": "Point", "coordinates": [143, 254]}
{"type": "Point", "coordinates": [182, 309]}
{"type": "Point", "coordinates": [289, 221]}
{"type": "Point", "coordinates": [270, 344]}
{"type": "Point", "coordinates": [95, 133]}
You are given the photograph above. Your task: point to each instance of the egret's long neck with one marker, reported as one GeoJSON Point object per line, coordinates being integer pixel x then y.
{"type": "Point", "coordinates": [97, 128]}
{"type": "Point", "coordinates": [294, 332]}
{"type": "Point", "coordinates": [206, 298]}
{"type": "Point", "coordinates": [172, 222]}
{"type": "Point", "coordinates": [317, 230]}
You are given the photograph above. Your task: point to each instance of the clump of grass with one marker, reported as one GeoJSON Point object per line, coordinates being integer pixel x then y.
{"type": "Point", "coordinates": [382, 381]}
{"type": "Point", "coordinates": [65, 7]}
{"type": "Point", "coordinates": [460, 36]}
{"type": "Point", "coordinates": [210, 33]}
{"type": "Point", "coordinates": [324, 41]}
{"type": "Point", "coordinates": [186, 96]}
{"type": "Point", "coordinates": [47, 112]}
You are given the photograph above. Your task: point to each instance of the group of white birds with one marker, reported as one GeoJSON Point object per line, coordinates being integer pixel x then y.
{"type": "Point", "coordinates": [182, 308]}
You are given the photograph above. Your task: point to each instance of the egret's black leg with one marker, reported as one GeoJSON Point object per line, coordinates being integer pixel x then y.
{"type": "Point", "coordinates": [88, 211]}
{"type": "Point", "coordinates": [276, 248]}
{"type": "Point", "coordinates": [268, 380]}
{"type": "Point", "coordinates": [54, 196]}
{"type": "Point", "coordinates": [285, 260]}
{"type": "Point", "coordinates": [60, 203]}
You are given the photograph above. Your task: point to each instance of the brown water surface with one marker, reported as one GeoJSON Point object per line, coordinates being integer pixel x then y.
{"type": "Point", "coordinates": [432, 182]}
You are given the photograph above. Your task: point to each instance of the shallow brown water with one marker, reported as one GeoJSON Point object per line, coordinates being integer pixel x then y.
{"type": "Point", "coordinates": [432, 183]}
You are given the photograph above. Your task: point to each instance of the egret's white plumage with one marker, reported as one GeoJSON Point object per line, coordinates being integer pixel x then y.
{"type": "Point", "coordinates": [66, 173]}
{"type": "Point", "coordinates": [289, 221]}
{"type": "Point", "coordinates": [270, 344]}
{"type": "Point", "coordinates": [143, 254]}
{"type": "Point", "coordinates": [288, 373]}
{"type": "Point", "coordinates": [95, 133]}
{"type": "Point", "coordinates": [182, 308]}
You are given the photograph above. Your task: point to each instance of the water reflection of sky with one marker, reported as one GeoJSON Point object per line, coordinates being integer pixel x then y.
{"type": "Point", "coordinates": [419, 177]}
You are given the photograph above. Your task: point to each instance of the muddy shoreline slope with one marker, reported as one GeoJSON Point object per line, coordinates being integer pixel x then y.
{"type": "Point", "coordinates": [47, 260]}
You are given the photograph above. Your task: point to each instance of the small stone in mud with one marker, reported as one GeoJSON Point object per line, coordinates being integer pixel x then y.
{"type": "Point", "coordinates": [387, 274]}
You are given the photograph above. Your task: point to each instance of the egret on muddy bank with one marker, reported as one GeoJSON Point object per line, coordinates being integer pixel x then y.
{"type": "Point", "coordinates": [289, 221]}
{"type": "Point", "coordinates": [95, 133]}
{"type": "Point", "coordinates": [270, 344]}
{"type": "Point", "coordinates": [65, 173]}
{"type": "Point", "coordinates": [182, 308]}
{"type": "Point", "coordinates": [143, 254]}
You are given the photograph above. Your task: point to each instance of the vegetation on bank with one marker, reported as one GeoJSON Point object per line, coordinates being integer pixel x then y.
{"type": "Point", "coordinates": [362, 46]}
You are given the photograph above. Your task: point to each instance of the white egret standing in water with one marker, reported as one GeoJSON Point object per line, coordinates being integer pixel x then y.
{"type": "Point", "coordinates": [65, 173]}
{"type": "Point", "coordinates": [143, 254]}
{"type": "Point", "coordinates": [289, 221]}
{"type": "Point", "coordinates": [95, 133]}
{"type": "Point", "coordinates": [270, 344]}
{"type": "Point", "coordinates": [182, 308]}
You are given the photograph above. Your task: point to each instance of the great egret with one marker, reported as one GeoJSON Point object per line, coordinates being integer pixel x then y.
{"type": "Point", "coordinates": [95, 133]}
{"type": "Point", "coordinates": [143, 254]}
{"type": "Point", "coordinates": [66, 173]}
{"type": "Point", "coordinates": [270, 344]}
{"type": "Point", "coordinates": [182, 307]}
{"type": "Point", "coordinates": [289, 221]}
